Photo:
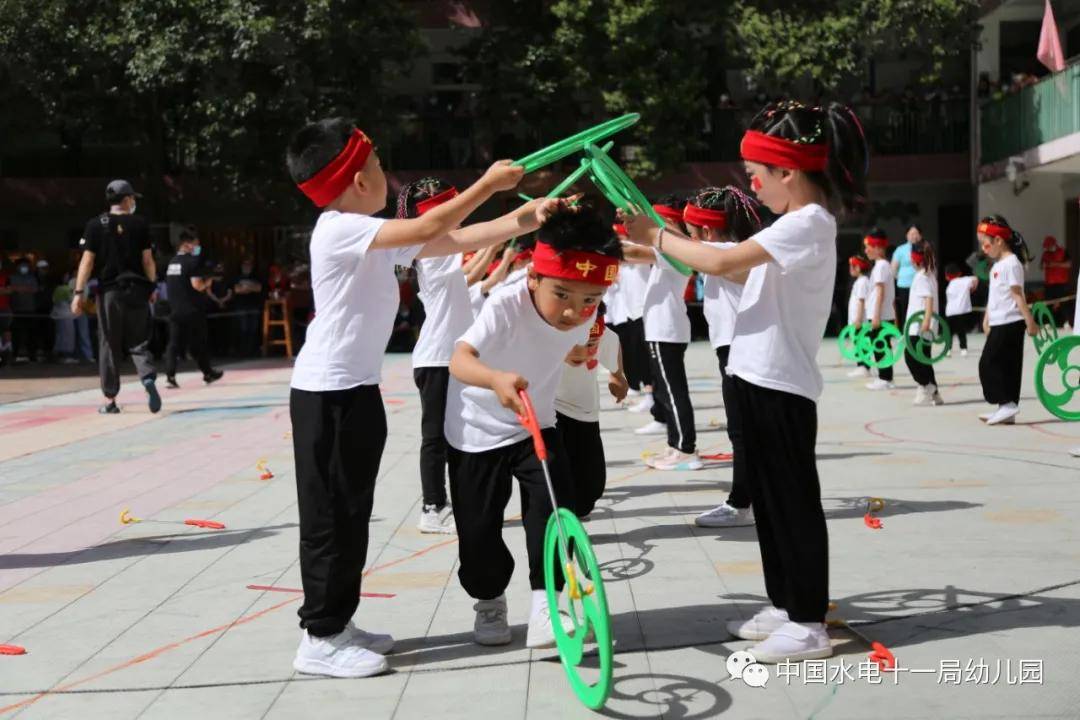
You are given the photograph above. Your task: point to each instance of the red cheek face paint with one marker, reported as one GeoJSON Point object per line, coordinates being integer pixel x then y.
{"type": "Point", "coordinates": [755, 183]}
{"type": "Point", "coordinates": [588, 311]}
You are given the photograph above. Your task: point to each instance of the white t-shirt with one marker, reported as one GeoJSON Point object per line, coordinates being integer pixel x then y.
{"type": "Point", "coordinates": [447, 308]}
{"type": "Point", "coordinates": [509, 335]}
{"type": "Point", "coordinates": [578, 396]}
{"type": "Point", "coordinates": [356, 300]}
{"type": "Point", "coordinates": [634, 280]}
{"type": "Point", "coordinates": [1001, 306]}
{"type": "Point", "coordinates": [958, 295]}
{"type": "Point", "coordinates": [720, 303]}
{"type": "Point", "coordinates": [476, 298]}
{"type": "Point", "coordinates": [509, 281]}
{"type": "Point", "coordinates": [615, 300]}
{"type": "Point", "coordinates": [665, 306]}
{"type": "Point", "coordinates": [922, 286]}
{"type": "Point", "coordinates": [860, 290]}
{"type": "Point", "coordinates": [882, 273]}
{"type": "Point", "coordinates": [786, 303]}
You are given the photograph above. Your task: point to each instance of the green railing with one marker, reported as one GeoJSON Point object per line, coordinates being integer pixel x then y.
{"type": "Point", "coordinates": [1039, 113]}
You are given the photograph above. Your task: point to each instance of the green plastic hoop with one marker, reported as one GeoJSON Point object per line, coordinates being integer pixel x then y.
{"type": "Point", "coordinates": [588, 611]}
{"type": "Point", "coordinates": [576, 143]}
{"type": "Point", "coordinates": [621, 192]}
{"type": "Point", "coordinates": [848, 341]}
{"type": "Point", "coordinates": [867, 344]}
{"type": "Point", "coordinates": [1057, 353]}
{"type": "Point", "coordinates": [920, 345]}
{"type": "Point", "coordinates": [1048, 331]}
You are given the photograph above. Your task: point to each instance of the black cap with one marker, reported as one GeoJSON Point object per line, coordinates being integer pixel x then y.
{"type": "Point", "coordinates": [120, 189]}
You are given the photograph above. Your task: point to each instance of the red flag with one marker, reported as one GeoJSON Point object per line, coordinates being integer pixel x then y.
{"type": "Point", "coordinates": [1050, 53]}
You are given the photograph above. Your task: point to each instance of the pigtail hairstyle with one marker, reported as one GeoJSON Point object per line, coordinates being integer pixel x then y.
{"type": "Point", "coordinates": [417, 191]}
{"type": "Point", "coordinates": [743, 212]}
{"type": "Point", "coordinates": [844, 178]}
{"type": "Point", "coordinates": [1015, 241]}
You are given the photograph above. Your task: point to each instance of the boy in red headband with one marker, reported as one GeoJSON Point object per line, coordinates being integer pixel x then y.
{"type": "Point", "coordinates": [520, 340]}
{"type": "Point", "coordinates": [805, 164]}
{"type": "Point", "coordinates": [882, 298]}
{"type": "Point", "coordinates": [339, 426]}
{"type": "Point", "coordinates": [722, 218]}
{"type": "Point", "coordinates": [958, 289]}
{"type": "Point", "coordinates": [625, 301]}
{"type": "Point", "coordinates": [577, 410]}
{"type": "Point", "coordinates": [858, 267]}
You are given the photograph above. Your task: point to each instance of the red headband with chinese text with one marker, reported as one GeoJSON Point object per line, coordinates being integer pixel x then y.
{"type": "Point", "coordinates": [705, 217]}
{"type": "Point", "coordinates": [994, 230]}
{"type": "Point", "coordinates": [338, 174]}
{"type": "Point", "coordinates": [772, 150]}
{"type": "Point", "coordinates": [436, 200]}
{"type": "Point", "coordinates": [588, 267]}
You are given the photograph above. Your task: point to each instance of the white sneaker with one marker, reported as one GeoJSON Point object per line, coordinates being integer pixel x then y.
{"type": "Point", "coordinates": [375, 642]}
{"type": "Point", "coordinates": [1005, 415]}
{"type": "Point", "coordinates": [336, 656]}
{"type": "Point", "coordinates": [651, 460]}
{"type": "Point", "coordinates": [760, 626]}
{"type": "Point", "coordinates": [643, 405]}
{"type": "Point", "coordinates": [491, 627]}
{"type": "Point", "coordinates": [653, 428]}
{"type": "Point", "coordinates": [859, 372]}
{"type": "Point", "coordinates": [725, 516]}
{"type": "Point", "coordinates": [880, 384]}
{"type": "Point", "coordinates": [794, 642]}
{"type": "Point", "coordinates": [963, 353]}
{"type": "Point", "coordinates": [436, 521]}
{"type": "Point", "coordinates": [986, 416]}
{"type": "Point", "coordinates": [934, 395]}
{"type": "Point", "coordinates": [677, 460]}
{"type": "Point", "coordinates": [631, 392]}
{"type": "Point", "coordinates": [921, 397]}
{"type": "Point", "coordinates": [541, 633]}
{"type": "Point", "coordinates": [1075, 452]}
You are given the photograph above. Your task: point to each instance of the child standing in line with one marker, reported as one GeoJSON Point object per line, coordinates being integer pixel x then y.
{"type": "Point", "coordinates": [630, 289]}
{"type": "Point", "coordinates": [1007, 316]}
{"type": "Point", "coordinates": [958, 304]}
{"type": "Point", "coordinates": [520, 340]}
{"type": "Point", "coordinates": [923, 297]}
{"type": "Point", "coordinates": [858, 267]}
{"type": "Point", "coordinates": [667, 331]}
{"type": "Point", "coordinates": [577, 410]}
{"type": "Point", "coordinates": [721, 218]}
{"type": "Point", "coordinates": [338, 420]}
{"type": "Point", "coordinates": [803, 164]}
{"type": "Point", "coordinates": [882, 300]}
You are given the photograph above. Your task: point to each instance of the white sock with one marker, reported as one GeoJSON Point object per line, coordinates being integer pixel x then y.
{"type": "Point", "coordinates": [539, 603]}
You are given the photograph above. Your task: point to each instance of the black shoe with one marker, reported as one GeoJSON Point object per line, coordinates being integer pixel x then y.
{"type": "Point", "coordinates": [212, 376]}
{"type": "Point", "coordinates": [153, 399]}
{"type": "Point", "coordinates": [170, 381]}
{"type": "Point", "coordinates": [110, 409]}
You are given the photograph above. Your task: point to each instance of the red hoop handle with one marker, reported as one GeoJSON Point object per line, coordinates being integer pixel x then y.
{"type": "Point", "coordinates": [530, 423]}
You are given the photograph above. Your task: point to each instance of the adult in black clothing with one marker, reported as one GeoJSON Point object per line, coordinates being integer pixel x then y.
{"type": "Point", "coordinates": [187, 279]}
{"type": "Point", "coordinates": [116, 249]}
{"type": "Point", "coordinates": [247, 303]}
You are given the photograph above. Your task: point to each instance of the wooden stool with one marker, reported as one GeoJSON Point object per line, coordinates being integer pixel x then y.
{"type": "Point", "coordinates": [283, 321]}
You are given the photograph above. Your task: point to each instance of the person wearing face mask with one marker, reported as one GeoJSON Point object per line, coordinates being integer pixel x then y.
{"type": "Point", "coordinates": [247, 303]}
{"type": "Point", "coordinates": [117, 251]}
{"type": "Point", "coordinates": [186, 280]}
{"type": "Point", "coordinates": [24, 335]}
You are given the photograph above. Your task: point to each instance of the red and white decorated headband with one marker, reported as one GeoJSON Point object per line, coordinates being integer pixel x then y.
{"type": "Point", "coordinates": [704, 217]}
{"type": "Point", "coordinates": [778, 152]}
{"type": "Point", "coordinates": [994, 230]}
{"type": "Point", "coordinates": [588, 267]}
{"type": "Point", "coordinates": [436, 200]}
{"type": "Point", "coordinates": [338, 174]}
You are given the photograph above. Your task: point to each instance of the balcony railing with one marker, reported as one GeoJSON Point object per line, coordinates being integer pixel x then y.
{"type": "Point", "coordinates": [1031, 116]}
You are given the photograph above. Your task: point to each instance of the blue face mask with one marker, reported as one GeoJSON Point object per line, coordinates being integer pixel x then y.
{"type": "Point", "coordinates": [197, 251]}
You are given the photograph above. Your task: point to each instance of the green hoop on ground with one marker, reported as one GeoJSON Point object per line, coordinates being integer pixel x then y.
{"type": "Point", "coordinates": [621, 192]}
{"type": "Point", "coordinates": [867, 346]}
{"type": "Point", "coordinates": [1048, 331]}
{"type": "Point", "coordinates": [1057, 353]}
{"type": "Point", "coordinates": [918, 348]}
{"type": "Point", "coordinates": [586, 606]}
{"type": "Point", "coordinates": [848, 341]}
{"type": "Point", "coordinates": [576, 143]}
